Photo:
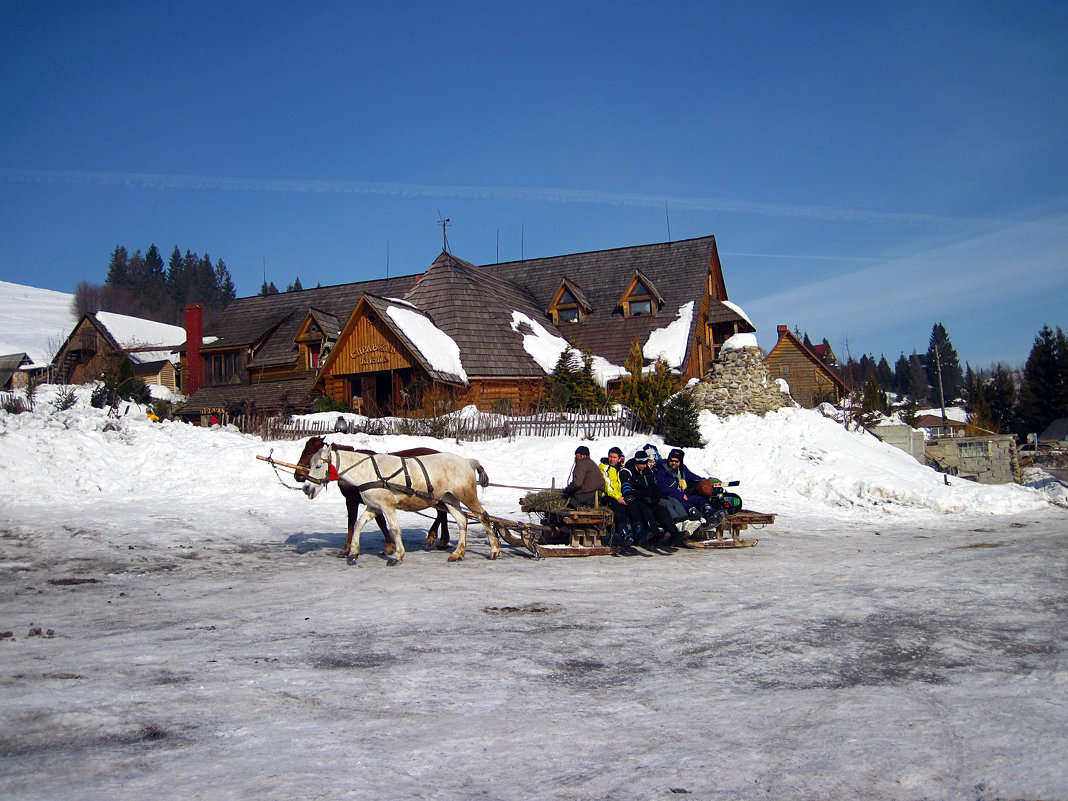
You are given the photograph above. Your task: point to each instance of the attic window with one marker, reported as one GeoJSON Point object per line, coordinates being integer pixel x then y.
{"type": "Point", "coordinates": [640, 298]}
{"type": "Point", "coordinates": [568, 306]}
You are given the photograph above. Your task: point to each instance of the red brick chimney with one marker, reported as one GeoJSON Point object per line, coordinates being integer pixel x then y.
{"type": "Point", "coordinates": [782, 329]}
{"type": "Point", "coordinates": [194, 338]}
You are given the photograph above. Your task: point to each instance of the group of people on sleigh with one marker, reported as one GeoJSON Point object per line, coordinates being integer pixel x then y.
{"type": "Point", "coordinates": [655, 502]}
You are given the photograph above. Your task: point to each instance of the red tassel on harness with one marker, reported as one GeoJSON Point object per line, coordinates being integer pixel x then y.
{"type": "Point", "coordinates": [332, 475]}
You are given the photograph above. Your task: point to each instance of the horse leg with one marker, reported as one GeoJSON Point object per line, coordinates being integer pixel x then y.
{"type": "Point", "coordinates": [354, 549]}
{"type": "Point", "coordinates": [491, 531]}
{"type": "Point", "coordinates": [432, 534]}
{"type": "Point", "coordinates": [387, 535]}
{"type": "Point", "coordinates": [443, 521]}
{"type": "Point", "coordinates": [352, 506]}
{"type": "Point", "coordinates": [394, 527]}
{"type": "Point", "coordinates": [460, 517]}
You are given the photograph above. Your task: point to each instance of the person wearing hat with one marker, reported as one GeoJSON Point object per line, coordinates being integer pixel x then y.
{"type": "Point", "coordinates": [642, 495]}
{"type": "Point", "coordinates": [586, 480]}
{"type": "Point", "coordinates": [611, 469]}
{"type": "Point", "coordinates": [679, 487]}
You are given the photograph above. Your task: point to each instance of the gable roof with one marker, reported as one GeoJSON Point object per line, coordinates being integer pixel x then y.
{"type": "Point", "coordinates": [474, 305]}
{"type": "Point", "coordinates": [785, 335]}
{"type": "Point", "coordinates": [10, 364]}
{"type": "Point", "coordinates": [676, 270]}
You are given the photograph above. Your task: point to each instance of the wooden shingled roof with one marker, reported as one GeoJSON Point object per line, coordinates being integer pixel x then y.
{"type": "Point", "coordinates": [474, 306]}
{"type": "Point", "coordinates": [676, 271]}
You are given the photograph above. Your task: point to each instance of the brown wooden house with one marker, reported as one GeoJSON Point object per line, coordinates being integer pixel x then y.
{"type": "Point", "coordinates": [99, 343]}
{"type": "Point", "coordinates": [811, 381]}
{"type": "Point", "coordinates": [477, 333]}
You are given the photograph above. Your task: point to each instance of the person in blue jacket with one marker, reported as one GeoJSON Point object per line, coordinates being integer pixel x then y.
{"type": "Point", "coordinates": [679, 487]}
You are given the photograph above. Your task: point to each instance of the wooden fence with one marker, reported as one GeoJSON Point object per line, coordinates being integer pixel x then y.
{"type": "Point", "coordinates": [470, 428]}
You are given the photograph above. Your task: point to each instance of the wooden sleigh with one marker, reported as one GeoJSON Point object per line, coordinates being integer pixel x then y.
{"type": "Point", "coordinates": [728, 533]}
{"type": "Point", "coordinates": [562, 532]}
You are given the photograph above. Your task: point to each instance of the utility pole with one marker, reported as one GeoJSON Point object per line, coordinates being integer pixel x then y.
{"type": "Point", "coordinates": [941, 395]}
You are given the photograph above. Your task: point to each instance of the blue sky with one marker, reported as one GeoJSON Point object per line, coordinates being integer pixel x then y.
{"type": "Point", "coordinates": [868, 169]}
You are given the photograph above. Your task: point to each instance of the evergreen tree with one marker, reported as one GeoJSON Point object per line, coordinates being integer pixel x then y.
{"type": "Point", "coordinates": [948, 362]}
{"type": "Point", "coordinates": [884, 375]}
{"type": "Point", "coordinates": [977, 401]}
{"type": "Point", "coordinates": [224, 284]}
{"type": "Point", "coordinates": [268, 289]}
{"type": "Point", "coordinates": [176, 283]}
{"type": "Point", "coordinates": [917, 385]}
{"type": "Point", "coordinates": [295, 286]}
{"type": "Point", "coordinates": [874, 405]}
{"type": "Point", "coordinates": [680, 424]}
{"type": "Point", "coordinates": [901, 376]}
{"type": "Point", "coordinates": [644, 393]}
{"type": "Point", "coordinates": [1041, 390]}
{"type": "Point", "coordinates": [806, 341]}
{"type": "Point", "coordinates": [117, 269]}
{"type": "Point", "coordinates": [1001, 397]}
{"type": "Point", "coordinates": [572, 385]}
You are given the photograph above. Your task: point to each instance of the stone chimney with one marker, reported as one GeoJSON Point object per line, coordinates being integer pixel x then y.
{"type": "Point", "coordinates": [194, 339]}
{"type": "Point", "coordinates": [738, 383]}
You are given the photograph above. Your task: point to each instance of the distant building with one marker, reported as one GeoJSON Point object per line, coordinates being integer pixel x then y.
{"type": "Point", "coordinates": [810, 379]}
{"type": "Point", "coordinates": [99, 343]}
{"type": "Point", "coordinates": [484, 335]}
{"type": "Point", "coordinates": [10, 366]}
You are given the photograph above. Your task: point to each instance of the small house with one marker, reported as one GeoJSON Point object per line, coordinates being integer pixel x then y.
{"type": "Point", "coordinates": [810, 379]}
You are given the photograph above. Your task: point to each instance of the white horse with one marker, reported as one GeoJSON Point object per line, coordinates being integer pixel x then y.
{"type": "Point", "coordinates": [387, 483]}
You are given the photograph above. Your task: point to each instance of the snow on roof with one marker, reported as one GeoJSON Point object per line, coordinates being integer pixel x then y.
{"type": "Point", "coordinates": [736, 308]}
{"type": "Point", "coordinates": [669, 342]}
{"type": "Point", "coordinates": [739, 341]}
{"type": "Point", "coordinates": [134, 332]}
{"type": "Point", "coordinates": [438, 348]}
{"type": "Point", "coordinates": [545, 348]}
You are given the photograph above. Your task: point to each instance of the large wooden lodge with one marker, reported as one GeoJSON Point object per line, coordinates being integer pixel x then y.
{"type": "Point", "coordinates": [365, 343]}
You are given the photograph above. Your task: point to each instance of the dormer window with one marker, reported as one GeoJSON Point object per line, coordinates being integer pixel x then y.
{"type": "Point", "coordinates": [641, 297]}
{"type": "Point", "coordinates": [569, 305]}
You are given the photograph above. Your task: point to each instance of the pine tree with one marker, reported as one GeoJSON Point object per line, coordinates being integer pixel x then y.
{"type": "Point", "coordinates": [295, 286]}
{"type": "Point", "coordinates": [917, 388]}
{"type": "Point", "coordinates": [884, 375]}
{"type": "Point", "coordinates": [875, 404]}
{"type": "Point", "coordinates": [680, 425]}
{"type": "Point", "coordinates": [948, 362]}
{"type": "Point", "coordinates": [901, 376]}
{"type": "Point", "coordinates": [1041, 390]}
{"type": "Point", "coordinates": [644, 393]}
{"type": "Point", "coordinates": [1001, 396]}
{"type": "Point", "coordinates": [117, 269]}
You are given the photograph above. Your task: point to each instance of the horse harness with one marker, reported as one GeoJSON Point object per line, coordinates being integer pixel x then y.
{"type": "Point", "coordinates": [384, 482]}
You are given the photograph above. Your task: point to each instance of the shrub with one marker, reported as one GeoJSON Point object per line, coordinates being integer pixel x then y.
{"type": "Point", "coordinates": [65, 399]}
{"type": "Point", "coordinates": [572, 385]}
{"type": "Point", "coordinates": [644, 394]}
{"type": "Point", "coordinates": [679, 423]}
{"type": "Point", "coordinates": [15, 405]}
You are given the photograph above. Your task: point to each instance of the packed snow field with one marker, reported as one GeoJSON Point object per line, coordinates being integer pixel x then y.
{"type": "Point", "coordinates": [180, 628]}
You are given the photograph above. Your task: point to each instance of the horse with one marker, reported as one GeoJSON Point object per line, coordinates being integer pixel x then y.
{"type": "Point", "coordinates": [352, 498]}
{"type": "Point", "coordinates": [437, 479]}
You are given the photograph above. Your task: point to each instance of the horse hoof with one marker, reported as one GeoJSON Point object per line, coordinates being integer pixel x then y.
{"type": "Point", "coordinates": [392, 562]}
{"type": "Point", "coordinates": [453, 557]}
{"type": "Point", "coordinates": [494, 555]}
{"type": "Point", "coordinates": [352, 559]}
{"type": "Point", "coordinates": [342, 554]}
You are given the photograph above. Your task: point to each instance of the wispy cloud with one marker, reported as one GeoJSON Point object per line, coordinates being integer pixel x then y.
{"type": "Point", "coordinates": [524, 194]}
{"type": "Point", "coordinates": [978, 275]}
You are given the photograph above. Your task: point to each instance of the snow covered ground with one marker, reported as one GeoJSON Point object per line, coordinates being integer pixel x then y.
{"type": "Point", "coordinates": [891, 636]}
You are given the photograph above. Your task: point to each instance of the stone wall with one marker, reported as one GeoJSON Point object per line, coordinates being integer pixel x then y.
{"type": "Point", "coordinates": [738, 382]}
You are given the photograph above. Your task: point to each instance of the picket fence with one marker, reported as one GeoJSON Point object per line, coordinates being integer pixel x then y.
{"type": "Point", "coordinates": [477, 427]}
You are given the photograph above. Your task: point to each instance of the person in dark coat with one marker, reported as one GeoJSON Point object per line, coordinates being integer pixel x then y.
{"type": "Point", "coordinates": [586, 480]}
{"type": "Point", "coordinates": [679, 486]}
{"type": "Point", "coordinates": [643, 497]}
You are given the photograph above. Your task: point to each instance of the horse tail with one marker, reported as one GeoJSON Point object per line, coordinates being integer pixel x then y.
{"type": "Point", "coordinates": [483, 476]}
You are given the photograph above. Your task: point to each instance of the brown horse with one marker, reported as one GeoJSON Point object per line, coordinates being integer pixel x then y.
{"type": "Point", "coordinates": [353, 500]}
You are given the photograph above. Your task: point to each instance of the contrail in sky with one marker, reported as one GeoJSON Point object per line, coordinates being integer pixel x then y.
{"type": "Point", "coordinates": [526, 194]}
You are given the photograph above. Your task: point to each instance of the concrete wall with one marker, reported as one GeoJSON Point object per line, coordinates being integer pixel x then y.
{"type": "Point", "coordinates": [910, 440]}
{"type": "Point", "coordinates": [988, 460]}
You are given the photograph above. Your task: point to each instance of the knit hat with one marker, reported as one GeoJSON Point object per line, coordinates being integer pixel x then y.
{"type": "Point", "coordinates": [583, 450]}
{"type": "Point", "coordinates": [675, 453]}
{"type": "Point", "coordinates": [641, 456]}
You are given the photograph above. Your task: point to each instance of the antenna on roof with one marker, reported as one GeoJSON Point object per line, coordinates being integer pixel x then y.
{"type": "Point", "coordinates": [387, 258]}
{"type": "Point", "coordinates": [522, 241]}
{"type": "Point", "coordinates": [444, 237]}
{"type": "Point", "coordinates": [668, 218]}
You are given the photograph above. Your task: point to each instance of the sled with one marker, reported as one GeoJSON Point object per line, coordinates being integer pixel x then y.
{"type": "Point", "coordinates": [562, 532]}
{"type": "Point", "coordinates": [728, 533]}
